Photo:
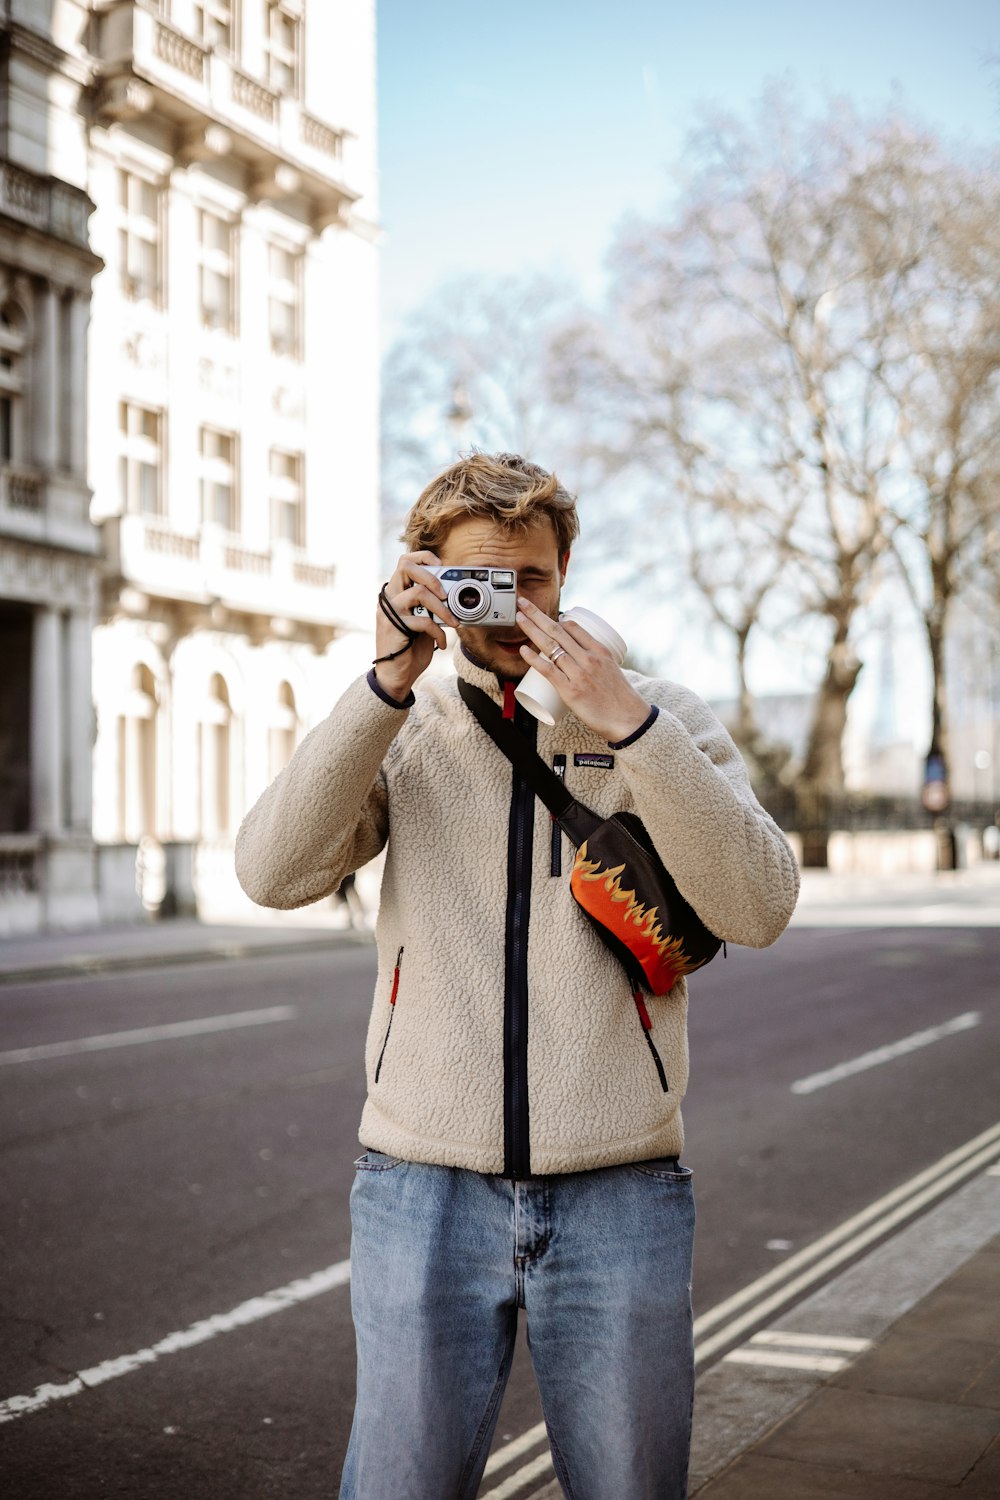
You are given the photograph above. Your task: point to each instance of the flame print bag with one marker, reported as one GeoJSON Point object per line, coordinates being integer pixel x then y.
{"type": "Point", "coordinates": [618, 880]}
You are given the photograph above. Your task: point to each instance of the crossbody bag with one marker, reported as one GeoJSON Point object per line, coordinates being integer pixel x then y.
{"type": "Point", "coordinates": [618, 880]}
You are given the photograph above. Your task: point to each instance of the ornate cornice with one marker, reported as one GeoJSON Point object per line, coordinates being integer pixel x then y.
{"type": "Point", "coordinates": [48, 576]}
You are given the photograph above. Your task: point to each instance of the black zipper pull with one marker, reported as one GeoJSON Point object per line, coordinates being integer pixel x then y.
{"type": "Point", "coordinates": [647, 1027]}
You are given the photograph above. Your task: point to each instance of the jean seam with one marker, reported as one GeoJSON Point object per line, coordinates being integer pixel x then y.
{"type": "Point", "coordinates": [559, 1464]}
{"type": "Point", "coordinates": [491, 1405]}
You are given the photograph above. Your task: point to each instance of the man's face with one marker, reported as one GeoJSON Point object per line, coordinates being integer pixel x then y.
{"type": "Point", "coordinates": [474, 542]}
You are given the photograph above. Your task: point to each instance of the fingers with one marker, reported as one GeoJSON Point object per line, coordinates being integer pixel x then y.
{"type": "Point", "coordinates": [412, 584]}
{"type": "Point", "coordinates": [421, 593]}
{"type": "Point", "coordinates": [549, 635]}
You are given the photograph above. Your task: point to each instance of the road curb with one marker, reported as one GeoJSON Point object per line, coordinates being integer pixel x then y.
{"type": "Point", "coordinates": [87, 966]}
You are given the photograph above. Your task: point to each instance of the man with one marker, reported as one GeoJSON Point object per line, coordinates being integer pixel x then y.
{"type": "Point", "coordinates": [521, 1148]}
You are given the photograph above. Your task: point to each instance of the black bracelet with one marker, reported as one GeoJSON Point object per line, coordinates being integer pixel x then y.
{"type": "Point", "coordinates": [395, 619]}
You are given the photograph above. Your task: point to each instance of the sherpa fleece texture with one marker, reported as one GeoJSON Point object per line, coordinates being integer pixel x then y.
{"type": "Point", "coordinates": [428, 784]}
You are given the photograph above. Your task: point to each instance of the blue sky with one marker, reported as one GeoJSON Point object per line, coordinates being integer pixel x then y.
{"type": "Point", "coordinates": [515, 135]}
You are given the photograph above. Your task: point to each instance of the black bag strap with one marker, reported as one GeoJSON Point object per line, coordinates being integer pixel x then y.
{"type": "Point", "coordinates": [575, 818]}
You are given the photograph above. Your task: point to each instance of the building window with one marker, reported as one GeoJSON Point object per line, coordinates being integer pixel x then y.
{"type": "Point", "coordinates": [281, 46]}
{"type": "Point", "coordinates": [216, 742]}
{"type": "Point", "coordinates": [284, 730]}
{"type": "Point", "coordinates": [219, 494]}
{"type": "Point", "coordinates": [216, 271]}
{"type": "Point", "coordinates": [13, 344]}
{"type": "Point", "coordinates": [141, 459]}
{"type": "Point", "coordinates": [214, 24]}
{"type": "Point", "coordinates": [287, 499]}
{"type": "Point", "coordinates": [139, 240]}
{"type": "Point", "coordinates": [284, 305]}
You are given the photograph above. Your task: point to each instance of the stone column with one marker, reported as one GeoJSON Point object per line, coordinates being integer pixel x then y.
{"type": "Point", "coordinates": [46, 445]}
{"type": "Point", "coordinates": [47, 728]}
{"type": "Point", "coordinates": [79, 316]}
{"type": "Point", "coordinates": [80, 729]}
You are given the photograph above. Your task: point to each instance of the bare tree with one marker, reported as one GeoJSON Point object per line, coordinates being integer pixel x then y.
{"type": "Point", "coordinates": [469, 370]}
{"type": "Point", "coordinates": [752, 362]}
{"type": "Point", "coordinates": [947, 463]}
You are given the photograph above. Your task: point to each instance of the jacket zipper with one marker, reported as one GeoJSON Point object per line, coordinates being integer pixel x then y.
{"type": "Point", "coordinates": [647, 1027]}
{"type": "Point", "coordinates": [520, 836]}
{"type": "Point", "coordinates": [559, 767]}
{"type": "Point", "coordinates": [392, 1010]}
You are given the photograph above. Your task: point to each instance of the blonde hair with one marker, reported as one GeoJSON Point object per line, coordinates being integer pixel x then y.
{"type": "Point", "coordinates": [500, 487]}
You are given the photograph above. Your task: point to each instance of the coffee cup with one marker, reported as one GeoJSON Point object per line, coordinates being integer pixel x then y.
{"type": "Point", "coordinates": [538, 694]}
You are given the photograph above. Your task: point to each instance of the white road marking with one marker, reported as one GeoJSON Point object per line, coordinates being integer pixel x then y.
{"type": "Point", "coordinates": [886, 1054]}
{"type": "Point", "coordinates": [845, 1343]}
{"type": "Point", "coordinates": [197, 1333]}
{"type": "Point", "coordinates": [537, 1467]}
{"type": "Point", "coordinates": [933, 1182]}
{"type": "Point", "coordinates": [164, 1033]}
{"type": "Point", "coordinates": [843, 1243]}
{"type": "Point", "coordinates": [826, 1364]}
{"type": "Point", "coordinates": [772, 1348]}
{"type": "Point", "coordinates": [520, 1445]}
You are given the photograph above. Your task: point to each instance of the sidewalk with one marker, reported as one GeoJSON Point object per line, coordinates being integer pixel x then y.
{"type": "Point", "coordinates": [883, 1385]}
{"type": "Point", "coordinates": [952, 898]}
{"type": "Point", "coordinates": [152, 944]}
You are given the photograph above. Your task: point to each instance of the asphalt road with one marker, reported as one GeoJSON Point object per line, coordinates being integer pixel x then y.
{"type": "Point", "coordinates": [149, 1186]}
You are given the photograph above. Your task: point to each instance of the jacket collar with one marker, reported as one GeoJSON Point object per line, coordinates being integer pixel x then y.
{"type": "Point", "coordinates": [481, 677]}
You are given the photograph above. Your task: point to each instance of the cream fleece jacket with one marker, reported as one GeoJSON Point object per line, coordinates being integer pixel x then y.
{"type": "Point", "coordinates": [456, 1072]}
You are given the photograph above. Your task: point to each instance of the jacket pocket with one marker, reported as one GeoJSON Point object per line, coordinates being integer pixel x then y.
{"type": "Point", "coordinates": [392, 1010]}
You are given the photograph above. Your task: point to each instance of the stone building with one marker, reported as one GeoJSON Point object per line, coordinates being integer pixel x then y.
{"type": "Point", "coordinates": [228, 148]}
{"type": "Point", "coordinates": [49, 550]}
{"type": "Point", "coordinates": [233, 407]}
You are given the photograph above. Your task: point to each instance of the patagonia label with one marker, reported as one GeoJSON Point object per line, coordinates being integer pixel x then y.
{"type": "Point", "coordinates": [594, 761]}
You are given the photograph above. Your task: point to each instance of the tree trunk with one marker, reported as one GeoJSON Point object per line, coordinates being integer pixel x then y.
{"type": "Point", "coordinates": [747, 732]}
{"type": "Point", "coordinates": [822, 774]}
{"type": "Point", "coordinates": [936, 624]}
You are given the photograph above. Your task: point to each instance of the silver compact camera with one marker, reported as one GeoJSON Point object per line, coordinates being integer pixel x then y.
{"type": "Point", "coordinates": [478, 596]}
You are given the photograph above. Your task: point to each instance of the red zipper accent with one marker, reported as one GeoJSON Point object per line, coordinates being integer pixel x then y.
{"type": "Point", "coordinates": [392, 1012]}
{"type": "Point", "coordinates": [395, 978]}
{"type": "Point", "coordinates": [508, 700]}
{"type": "Point", "coordinates": [640, 1006]}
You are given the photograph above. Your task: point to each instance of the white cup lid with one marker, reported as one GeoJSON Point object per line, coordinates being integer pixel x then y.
{"type": "Point", "coordinates": [606, 634]}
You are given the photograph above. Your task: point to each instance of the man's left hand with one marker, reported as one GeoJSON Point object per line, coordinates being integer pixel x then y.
{"type": "Point", "coordinates": [584, 674]}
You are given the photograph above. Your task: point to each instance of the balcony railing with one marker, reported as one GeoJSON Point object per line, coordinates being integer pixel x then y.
{"type": "Point", "coordinates": [22, 490]}
{"type": "Point", "coordinates": [148, 64]}
{"type": "Point", "coordinates": [19, 864]}
{"type": "Point", "coordinates": [54, 207]}
{"type": "Point", "coordinates": [214, 567]}
{"type": "Point", "coordinates": [251, 94]}
{"type": "Point", "coordinates": [180, 52]}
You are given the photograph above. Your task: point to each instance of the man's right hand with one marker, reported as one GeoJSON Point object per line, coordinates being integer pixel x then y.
{"type": "Point", "coordinates": [410, 585]}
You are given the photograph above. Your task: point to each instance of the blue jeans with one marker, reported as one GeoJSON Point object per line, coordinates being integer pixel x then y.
{"type": "Point", "coordinates": [441, 1260]}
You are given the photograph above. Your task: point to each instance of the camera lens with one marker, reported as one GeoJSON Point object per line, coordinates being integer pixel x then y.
{"type": "Point", "coordinates": [468, 601]}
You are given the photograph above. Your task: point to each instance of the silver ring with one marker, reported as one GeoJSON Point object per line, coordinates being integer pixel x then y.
{"type": "Point", "coordinates": [559, 651]}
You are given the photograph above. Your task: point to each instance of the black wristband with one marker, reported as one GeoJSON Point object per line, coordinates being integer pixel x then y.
{"type": "Point", "coordinates": [397, 621]}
